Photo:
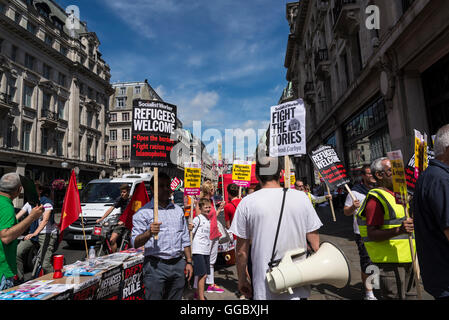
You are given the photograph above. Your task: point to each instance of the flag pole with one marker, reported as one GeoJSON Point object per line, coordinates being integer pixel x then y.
{"type": "Point", "coordinates": [84, 235]}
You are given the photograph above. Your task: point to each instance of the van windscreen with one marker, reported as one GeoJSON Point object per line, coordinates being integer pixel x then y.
{"type": "Point", "coordinates": [100, 193]}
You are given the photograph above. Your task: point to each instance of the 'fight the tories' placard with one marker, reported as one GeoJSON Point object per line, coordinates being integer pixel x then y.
{"type": "Point", "coordinates": [152, 124]}
{"type": "Point", "coordinates": [288, 129]}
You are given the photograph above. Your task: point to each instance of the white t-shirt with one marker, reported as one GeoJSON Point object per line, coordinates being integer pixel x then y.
{"type": "Point", "coordinates": [49, 227]}
{"type": "Point", "coordinates": [201, 243]}
{"type": "Point", "coordinates": [348, 203]}
{"type": "Point", "coordinates": [257, 217]}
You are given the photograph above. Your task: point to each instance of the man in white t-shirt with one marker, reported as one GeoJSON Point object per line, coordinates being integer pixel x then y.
{"type": "Point", "coordinates": [256, 220]}
{"type": "Point", "coordinates": [351, 207]}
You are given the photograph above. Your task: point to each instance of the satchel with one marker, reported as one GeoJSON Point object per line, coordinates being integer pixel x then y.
{"type": "Point", "coordinates": [225, 237]}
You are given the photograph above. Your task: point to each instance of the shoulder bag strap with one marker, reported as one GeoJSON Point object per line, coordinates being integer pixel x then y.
{"type": "Point", "coordinates": [272, 262]}
{"type": "Point", "coordinates": [199, 225]}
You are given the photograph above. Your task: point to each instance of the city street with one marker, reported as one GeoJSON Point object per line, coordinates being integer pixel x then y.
{"type": "Point", "coordinates": [339, 233]}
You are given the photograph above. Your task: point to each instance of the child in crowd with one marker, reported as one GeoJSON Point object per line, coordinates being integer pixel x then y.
{"type": "Point", "coordinates": [201, 246]}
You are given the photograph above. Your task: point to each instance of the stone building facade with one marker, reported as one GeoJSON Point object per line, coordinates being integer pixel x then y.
{"type": "Point", "coordinates": [369, 71]}
{"type": "Point", "coordinates": [54, 94]}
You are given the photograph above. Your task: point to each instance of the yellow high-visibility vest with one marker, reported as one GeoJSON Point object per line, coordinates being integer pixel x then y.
{"type": "Point", "coordinates": [394, 250]}
{"type": "Point", "coordinates": [311, 200]}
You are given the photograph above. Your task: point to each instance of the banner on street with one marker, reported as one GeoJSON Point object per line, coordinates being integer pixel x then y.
{"type": "Point", "coordinates": [192, 179]}
{"type": "Point", "coordinates": [326, 160]}
{"type": "Point", "coordinates": [241, 173]}
{"type": "Point", "coordinates": [288, 129]}
{"type": "Point", "coordinates": [152, 124]}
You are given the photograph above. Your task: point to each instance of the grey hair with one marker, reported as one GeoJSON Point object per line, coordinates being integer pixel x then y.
{"type": "Point", "coordinates": [377, 166]}
{"type": "Point", "coordinates": [441, 140]}
{"type": "Point", "coordinates": [10, 182]}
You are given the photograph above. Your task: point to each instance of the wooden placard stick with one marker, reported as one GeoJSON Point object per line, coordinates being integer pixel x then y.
{"type": "Point", "coordinates": [240, 192]}
{"type": "Point", "coordinates": [156, 197]}
{"type": "Point", "coordinates": [330, 202]}
{"type": "Point", "coordinates": [287, 172]}
{"type": "Point", "coordinates": [350, 193]}
{"type": "Point", "coordinates": [192, 208]}
{"type": "Point", "coordinates": [414, 258]}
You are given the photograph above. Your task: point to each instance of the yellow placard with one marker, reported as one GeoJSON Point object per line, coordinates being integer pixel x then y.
{"type": "Point", "coordinates": [292, 179]}
{"type": "Point", "coordinates": [398, 176]}
{"type": "Point", "coordinates": [192, 178]}
{"type": "Point", "coordinates": [241, 173]}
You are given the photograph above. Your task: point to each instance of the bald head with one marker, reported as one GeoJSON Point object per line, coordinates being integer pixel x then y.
{"type": "Point", "coordinates": [442, 142]}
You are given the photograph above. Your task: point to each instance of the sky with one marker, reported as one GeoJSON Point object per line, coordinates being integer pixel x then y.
{"type": "Point", "coordinates": [220, 62]}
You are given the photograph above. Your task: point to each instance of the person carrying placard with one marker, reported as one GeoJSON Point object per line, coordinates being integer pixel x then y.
{"type": "Point", "coordinates": [360, 191]}
{"type": "Point", "coordinates": [163, 269]}
{"type": "Point", "coordinates": [431, 217]}
{"type": "Point", "coordinates": [384, 230]}
{"type": "Point", "coordinates": [255, 221]}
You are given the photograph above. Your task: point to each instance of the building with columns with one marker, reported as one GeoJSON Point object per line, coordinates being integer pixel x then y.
{"type": "Point", "coordinates": [54, 94]}
{"type": "Point", "coordinates": [369, 71]}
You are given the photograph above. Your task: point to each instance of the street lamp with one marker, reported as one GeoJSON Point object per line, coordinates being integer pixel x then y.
{"type": "Point", "coordinates": [64, 165]}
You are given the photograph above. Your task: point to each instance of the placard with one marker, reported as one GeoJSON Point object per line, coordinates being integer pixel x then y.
{"type": "Point", "coordinates": [292, 180]}
{"type": "Point", "coordinates": [87, 290]}
{"type": "Point", "coordinates": [241, 173]}
{"type": "Point", "coordinates": [288, 129]}
{"type": "Point", "coordinates": [110, 284]}
{"type": "Point", "coordinates": [398, 176]}
{"type": "Point", "coordinates": [132, 287]}
{"type": "Point", "coordinates": [326, 160]}
{"type": "Point", "coordinates": [192, 179]}
{"type": "Point", "coordinates": [153, 122]}
{"type": "Point", "coordinates": [175, 184]}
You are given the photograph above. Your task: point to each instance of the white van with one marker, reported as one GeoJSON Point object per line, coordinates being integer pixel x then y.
{"type": "Point", "coordinates": [97, 197]}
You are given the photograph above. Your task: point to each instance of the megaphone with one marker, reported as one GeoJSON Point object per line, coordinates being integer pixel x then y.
{"type": "Point", "coordinates": [327, 266]}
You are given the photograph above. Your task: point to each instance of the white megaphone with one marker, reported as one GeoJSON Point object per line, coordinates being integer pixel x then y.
{"type": "Point", "coordinates": [327, 266]}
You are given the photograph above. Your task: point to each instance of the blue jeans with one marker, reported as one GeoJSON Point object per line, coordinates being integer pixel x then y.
{"type": "Point", "coordinates": [6, 283]}
{"type": "Point", "coordinates": [163, 281]}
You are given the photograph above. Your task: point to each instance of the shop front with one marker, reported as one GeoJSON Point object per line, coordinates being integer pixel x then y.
{"type": "Point", "coordinates": [366, 136]}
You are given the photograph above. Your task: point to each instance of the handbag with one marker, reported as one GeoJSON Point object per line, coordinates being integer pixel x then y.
{"type": "Point", "coordinates": [225, 237]}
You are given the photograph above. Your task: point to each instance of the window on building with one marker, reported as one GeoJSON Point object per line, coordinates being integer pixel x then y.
{"type": "Point", "coordinates": [44, 143]}
{"type": "Point", "coordinates": [27, 95]}
{"type": "Point", "coordinates": [2, 7]}
{"type": "Point", "coordinates": [12, 88]}
{"type": "Point", "coordinates": [90, 93]}
{"type": "Point", "coordinates": [1, 44]}
{"type": "Point", "coordinates": [113, 152]}
{"type": "Point", "coordinates": [90, 142]}
{"type": "Point", "coordinates": [113, 135]}
{"type": "Point", "coordinates": [31, 28]}
{"type": "Point", "coordinates": [125, 134]}
{"type": "Point", "coordinates": [29, 61]}
{"type": "Point", "coordinates": [46, 71]}
{"type": "Point", "coordinates": [49, 40]}
{"type": "Point", "coordinates": [63, 50]}
{"type": "Point", "coordinates": [123, 90]}
{"type": "Point", "coordinates": [58, 24]}
{"type": "Point", "coordinates": [46, 100]}
{"type": "Point", "coordinates": [17, 17]}
{"type": "Point", "coordinates": [61, 79]}
{"type": "Point", "coordinates": [120, 102]}
{"type": "Point", "coordinates": [125, 116]}
{"type": "Point", "coordinates": [14, 50]}
{"type": "Point", "coordinates": [113, 117]}
{"type": "Point", "coordinates": [26, 136]}
{"type": "Point", "coordinates": [82, 89]}
{"type": "Point", "coordinates": [137, 90]}
{"type": "Point", "coordinates": [60, 144]}
{"type": "Point", "coordinates": [89, 118]}
{"type": "Point", "coordinates": [61, 109]}
{"type": "Point", "coordinates": [126, 151]}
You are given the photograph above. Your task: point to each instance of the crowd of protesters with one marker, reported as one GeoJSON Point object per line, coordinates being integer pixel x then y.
{"type": "Point", "coordinates": [176, 251]}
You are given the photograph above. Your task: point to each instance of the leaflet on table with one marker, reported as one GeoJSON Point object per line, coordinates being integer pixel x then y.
{"type": "Point", "coordinates": [18, 295]}
{"type": "Point", "coordinates": [81, 268]}
{"type": "Point", "coordinates": [33, 285]}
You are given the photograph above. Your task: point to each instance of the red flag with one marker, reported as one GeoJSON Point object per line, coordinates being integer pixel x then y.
{"type": "Point", "coordinates": [71, 207]}
{"type": "Point", "coordinates": [138, 200]}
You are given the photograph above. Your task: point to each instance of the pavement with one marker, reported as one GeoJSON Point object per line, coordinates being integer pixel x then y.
{"type": "Point", "coordinates": [341, 234]}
